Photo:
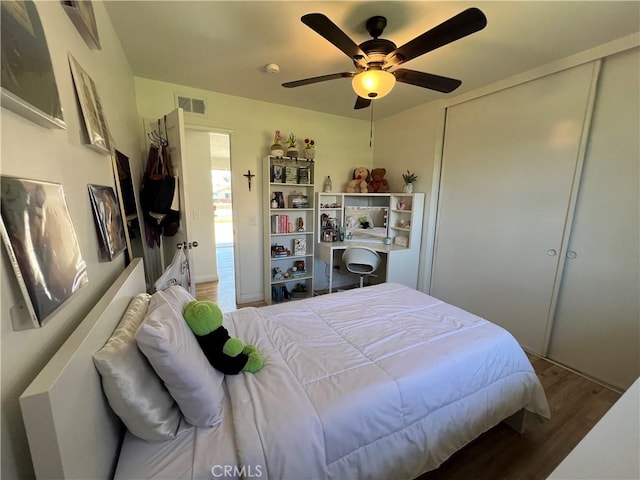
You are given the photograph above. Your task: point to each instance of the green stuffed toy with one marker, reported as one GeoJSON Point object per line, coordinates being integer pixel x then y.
{"type": "Point", "coordinates": [225, 353]}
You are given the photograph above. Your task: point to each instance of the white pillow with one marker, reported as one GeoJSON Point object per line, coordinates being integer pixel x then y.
{"type": "Point", "coordinates": [173, 351]}
{"type": "Point", "coordinates": [134, 391]}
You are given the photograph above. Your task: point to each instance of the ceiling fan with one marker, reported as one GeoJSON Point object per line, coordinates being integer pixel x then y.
{"type": "Point", "coordinates": [376, 59]}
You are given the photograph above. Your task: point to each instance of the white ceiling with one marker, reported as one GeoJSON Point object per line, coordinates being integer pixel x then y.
{"type": "Point", "coordinates": [223, 46]}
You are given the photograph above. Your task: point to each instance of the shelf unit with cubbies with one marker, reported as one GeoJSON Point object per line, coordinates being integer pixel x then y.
{"type": "Point", "coordinates": [289, 214]}
{"type": "Point", "coordinates": [389, 223]}
{"type": "Point", "coordinates": [395, 215]}
{"type": "Point", "coordinates": [401, 217]}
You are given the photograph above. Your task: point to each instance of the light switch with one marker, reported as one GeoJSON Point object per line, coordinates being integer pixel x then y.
{"type": "Point", "coordinates": [195, 214]}
{"type": "Point", "coordinates": [252, 221]}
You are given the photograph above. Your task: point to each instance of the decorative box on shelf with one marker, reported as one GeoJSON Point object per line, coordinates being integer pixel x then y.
{"type": "Point", "coordinates": [298, 200]}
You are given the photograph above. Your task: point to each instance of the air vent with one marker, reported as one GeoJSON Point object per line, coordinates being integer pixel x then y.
{"type": "Point", "coordinates": [191, 105]}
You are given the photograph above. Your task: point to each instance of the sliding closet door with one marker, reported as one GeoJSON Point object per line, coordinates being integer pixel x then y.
{"type": "Point", "coordinates": [509, 160]}
{"type": "Point", "coordinates": [597, 324]}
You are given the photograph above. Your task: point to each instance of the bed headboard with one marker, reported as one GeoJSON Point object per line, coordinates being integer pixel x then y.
{"type": "Point", "coordinates": [71, 429]}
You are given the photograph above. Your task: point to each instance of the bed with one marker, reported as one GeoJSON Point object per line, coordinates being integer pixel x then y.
{"type": "Point", "coordinates": [379, 382]}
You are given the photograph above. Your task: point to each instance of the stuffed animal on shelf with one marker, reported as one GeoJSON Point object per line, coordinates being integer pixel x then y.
{"type": "Point", "coordinates": [277, 273]}
{"type": "Point", "coordinates": [225, 353]}
{"type": "Point", "coordinates": [378, 183]}
{"type": "Point", "coordinates": [359, 184]}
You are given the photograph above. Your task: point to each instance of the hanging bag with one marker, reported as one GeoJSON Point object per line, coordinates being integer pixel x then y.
{"type": "Point", "coordinates": [177, 273]}
{"type": "Point", "coordinates": [158, 183]}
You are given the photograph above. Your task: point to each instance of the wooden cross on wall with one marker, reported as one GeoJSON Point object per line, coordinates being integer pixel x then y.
{"type": "Point", "coordinates": [249, 176]}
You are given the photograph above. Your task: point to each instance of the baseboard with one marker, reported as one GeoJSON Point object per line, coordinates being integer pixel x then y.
{"type": "Point", "coordinates": [602, 383]}
{"type": "Point", "coordinates": [249, 299]}
{"type": "Point", "coordinates": [206, 278]}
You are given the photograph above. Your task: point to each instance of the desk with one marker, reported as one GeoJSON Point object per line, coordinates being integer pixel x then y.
{"type": "Point", "coordinates": [400, 263]}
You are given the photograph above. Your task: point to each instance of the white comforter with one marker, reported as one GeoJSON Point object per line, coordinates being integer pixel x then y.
{"type": "Point", "coordinates": [382, 382]}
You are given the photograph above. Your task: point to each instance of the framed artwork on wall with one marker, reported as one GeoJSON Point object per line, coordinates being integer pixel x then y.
{"type": "Point", "coordinates": [28, 84]}
{"type": "Point", "coordinates": [42, 244]}
{"type": "Point", "coordinates": [106, 212]}
{"type": "Point", "coordinates": [97, 131]}
{"type": "Point", "coordinates": [82, 16]}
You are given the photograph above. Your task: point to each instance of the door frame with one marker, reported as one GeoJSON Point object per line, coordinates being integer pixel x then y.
{"type": "Point", "coordinates": [207, 129]}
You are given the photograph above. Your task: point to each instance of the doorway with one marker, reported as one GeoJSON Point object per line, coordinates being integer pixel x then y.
{"type": "Point", "coordinates": [212, 215]}
{"type": "Point", "coordinates": [222, 203]}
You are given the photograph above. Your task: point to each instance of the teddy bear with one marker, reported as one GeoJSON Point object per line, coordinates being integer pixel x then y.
{"type": "Point", "coordinates": [378, 183]}
{"type": "Point", "coordinates": [225, 353]}
{"type": "Point", "coordinates": [359, 184]}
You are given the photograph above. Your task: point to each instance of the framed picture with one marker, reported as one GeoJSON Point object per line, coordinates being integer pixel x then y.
{"type": "Point", "coordinates": [106, 212]}
{"type": "Point", "coordinates": [28, 84]}
{"type": "Point", "coordinates": [291, 174]}
{"type": "Point", "coordinates": [303, 175]}
{"type": "Point", "coordinates": [42, 244]}
{"type": "Point", "coordinates": [277, 174]}
{"type": "Point", "coordinates": [82, 16]}
{"type": "Point", "coordinates": [299, 246]}
{"type": "Point", "coordinates": [97, 131]}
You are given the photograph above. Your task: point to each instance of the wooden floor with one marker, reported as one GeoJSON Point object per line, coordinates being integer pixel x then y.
{"type": "Point", "coordinates": [223, 292]}
{"type": "Point", "coordinates": [500, 454]}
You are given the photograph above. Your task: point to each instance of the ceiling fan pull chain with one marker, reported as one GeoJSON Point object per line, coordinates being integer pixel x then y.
{"type": "Point", "coordinates": [371, 127]}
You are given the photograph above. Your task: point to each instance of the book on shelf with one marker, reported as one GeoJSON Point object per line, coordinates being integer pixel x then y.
{"type": "Point", "coordinates": [281, 224]}
{"type": "Point", "coordinates": [279, 293]}
{"type": "Point", "coordinates": [278, 251]}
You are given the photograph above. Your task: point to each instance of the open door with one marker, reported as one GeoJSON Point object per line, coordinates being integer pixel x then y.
{"type": "Point", "coordinates": [171, 127]}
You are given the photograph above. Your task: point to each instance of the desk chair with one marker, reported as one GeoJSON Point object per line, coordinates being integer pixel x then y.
{"type": "Point", "coordinates": [362, 261]}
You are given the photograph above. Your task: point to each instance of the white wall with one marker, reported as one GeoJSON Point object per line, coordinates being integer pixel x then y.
{"type": "Point", "coordinates": [198, 149]}
{"type": "Point", "coordinates": [410, 141]}
{"type": "Point", "coordinates": [31, 151]}
{"type": "Point", "coordinates": [341, 144]}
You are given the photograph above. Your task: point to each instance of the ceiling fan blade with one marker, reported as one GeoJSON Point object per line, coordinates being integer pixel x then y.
{"type": "Point", "coordinates": [331, 32]}
{"type": "Point", "coordinates": [322, 78]}
{"type": "Point", "coordinates": [465, 23]}
{"type": "Point", "coordinates": [427, 80]}
{"type": "Point", "coordinates": [361, 103]}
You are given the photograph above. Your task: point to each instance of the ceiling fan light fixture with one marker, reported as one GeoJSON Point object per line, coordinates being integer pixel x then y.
{"type": "Point", "coordinates": [373, 83]}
